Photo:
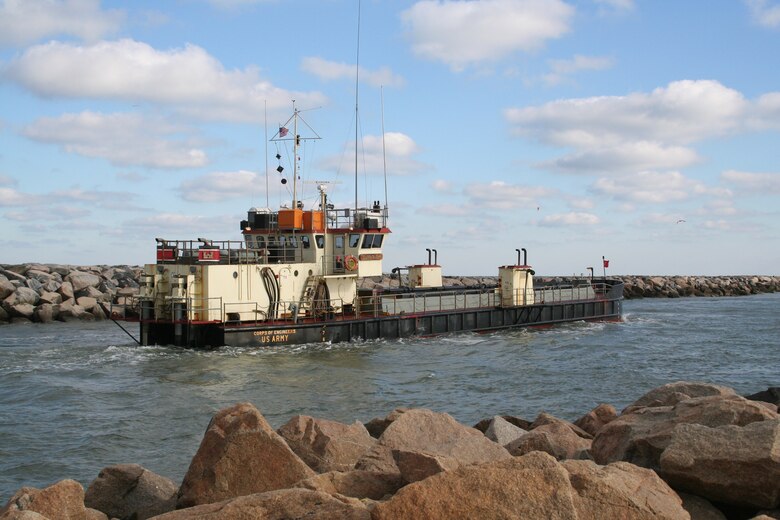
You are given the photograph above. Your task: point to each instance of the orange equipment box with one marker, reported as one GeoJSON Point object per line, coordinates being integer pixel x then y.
{"type": "Point", "coordinates": [290, 218]}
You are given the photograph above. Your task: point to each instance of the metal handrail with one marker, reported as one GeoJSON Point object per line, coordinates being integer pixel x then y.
{"type": "Point", "coordinates": [377, 304]}
{"type": "Point", "coordinates": [231, 252]}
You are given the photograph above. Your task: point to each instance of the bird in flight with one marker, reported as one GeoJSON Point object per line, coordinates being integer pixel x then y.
{"type": "Point", "coordinates": [679, 221]}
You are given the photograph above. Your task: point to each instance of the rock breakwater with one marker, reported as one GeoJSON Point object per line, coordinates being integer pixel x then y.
{"type": "Point", "coordinates": [642, 286]}
{"type": "Point", "coordinates": [48, 292]}
{"type": "Point", "coordinates": [680, 286]}
{"type": "Point", "coordinates": [684, 450]}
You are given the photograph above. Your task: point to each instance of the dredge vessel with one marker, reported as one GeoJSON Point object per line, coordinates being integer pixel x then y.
{"type": "Point", "coordinates": [296, 277]}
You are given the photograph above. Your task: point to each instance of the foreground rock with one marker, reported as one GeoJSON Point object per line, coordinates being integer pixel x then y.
{"type": "Point", "coordinates": [770, 395]}
{"type": "Point", "coordinates": [130, 491]}
{"type": "Point", "coordinates": [356, 484]}
{"type": "Point", "coordinates": [555, 439]}
{"type": "Point", "coordinates": [326, 445]}
{"type": "Point", "coordinates": [63, 500]}
{"type": "Point", "coordinates": [708, 454]}
{"type": "Point", "coordinates": [597, 418]}
{"type": "Point", "coordinates": [641, 436]}
{"type": "Point", "coordinates": [283, 504]}
{"type": "Point", "coordinates": [700, 508]}
{"type": "Point", "coordinates": [427, 442]}
{"type": "Point", "coordinates": [733, 464]}
{"type": "Point", "coordinates": [240, 455]}
{"type": "Point", "coordinates": [502, 431]}
{"type": "Point", "coordinates": [716, 445]}
{"type": "Point", "coordinates": [535, 486]}
{"type": "Point", "coordinates": [672, 393]}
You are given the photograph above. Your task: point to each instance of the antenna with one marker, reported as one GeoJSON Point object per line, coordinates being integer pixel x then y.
{"type": "Point", "coordinates": [384, 153]}
{"type": "Point", "coordinates": [357, 86]}
{"type": "Point", "coordinates": [265, 106]}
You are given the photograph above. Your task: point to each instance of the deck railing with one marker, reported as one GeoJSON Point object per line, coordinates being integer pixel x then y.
{"type": "Point", "coordinates": [231, 252]}
{"type": "Point", "coordinates": [374, 305]}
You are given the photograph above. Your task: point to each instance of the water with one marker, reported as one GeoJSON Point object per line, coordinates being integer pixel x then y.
{"type": "Point", "coordinates": [76, 397]}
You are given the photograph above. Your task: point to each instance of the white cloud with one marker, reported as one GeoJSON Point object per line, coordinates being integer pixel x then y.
{"type": "Point", "coordinates": [400, 150]}
{"type": "Point", "coordinates": [569, 219]}
{"type": "Point", "coordinates": [561, 69]}
{"type": "Point", "coordinates": [581, 203]}
{"type": "Point", "coordinates": [73, 212]}
{"type": "Point", "coordinates": [442, 186]}
{"type": "Point", "coordinates": [640, 131]}
{"type": "Point", "coordinates": [234, 4]}
{"type": "Point", "coordinates": [218, 186]}
{"type": "Point", "coordinates": [12, 197]}
{"type": "Point", "coordinates": [132, 177]}
{"type": "Point", "coordinates": [188, 79]}
{"type": "Point", "coordinates": [463, 33]}
{"type": "Point", "coordinates": [25, 21]}
{"type": "Point", "coordinates": [166, 225]}
{"type": "Point", "coordinates": [331, 70]}
{"type": "Point", "coordinates": [21, 216]}
{"type": "Point", "coordinates": [652, 187]}
{"type": "Point", "coordinates": [764, 13]}
{"type": "Point", "coordinates": [764, 113]}
{"type": "Point", "coordinates": [99, 198]}
{"type": "Point", "coordinates": [663, 219]}
{"type": "Point", "coordinates": [122, 139]}
{"type": "Point", "coordinates": [5, 180]}
{"type": "Point", "coordinates": [447, 210]}
{"type": "Point", "coordinates": [719, 225]}
{"type": "Point", "coordinates": [626, 157]}
{"type": "Point", "coordinates": [684, 112]}
{"type": "Point", "coordinates": [753, 182]}
{"type": "Point", "coordinates": [721, 207]}
{"type": "Point", "coordinates": [63, 204]}
{"type": "Point", "coordinates": [62, 212]}
{"type": "Point", "coordinates": [618, 5]}
{"type": "Point", "coordinates": [500, 195]}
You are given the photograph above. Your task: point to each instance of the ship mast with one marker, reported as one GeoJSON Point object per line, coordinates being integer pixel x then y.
{"type": "Point", "coordinates": [296, 142]}
{"type": "Point", "coordinates": [296, 138]}
{"type": "Point", "coordinates": [357, 86]}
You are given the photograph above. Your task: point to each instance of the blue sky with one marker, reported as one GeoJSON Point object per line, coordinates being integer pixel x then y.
{"type": "Point", "coordinates": [642, 131]}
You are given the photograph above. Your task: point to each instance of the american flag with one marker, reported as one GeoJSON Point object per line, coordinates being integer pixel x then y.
{"type": "Point", "coordinates": [282, 131]}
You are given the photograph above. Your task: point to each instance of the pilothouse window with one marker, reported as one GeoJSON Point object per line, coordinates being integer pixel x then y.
{"type": "Point", "coordinates": [320, 241]}
{"type": "Point", "coordinates": [372, 241]}
{"type": "Point", "coordinates": [354, 240]}
{"type": "Point", "coordinates": [305, 241]}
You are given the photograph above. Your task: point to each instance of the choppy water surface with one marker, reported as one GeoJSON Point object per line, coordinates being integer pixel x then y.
{"type": "Point", "coordinates": [75, 398]}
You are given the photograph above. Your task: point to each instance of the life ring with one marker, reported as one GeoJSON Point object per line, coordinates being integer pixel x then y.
{"type": "Point", "coordinates": [350, 263]}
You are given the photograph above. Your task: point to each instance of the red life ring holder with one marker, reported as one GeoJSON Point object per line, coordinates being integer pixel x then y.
{"type": "Point", "coordinates": [350, 263]}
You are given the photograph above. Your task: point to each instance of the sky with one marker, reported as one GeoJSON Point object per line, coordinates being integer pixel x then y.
{"type": "Point", "coordinates": [640, 131]}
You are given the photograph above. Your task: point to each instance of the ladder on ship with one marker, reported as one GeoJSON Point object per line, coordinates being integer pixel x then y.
{"type": "Point", "coordinates": [306, 304]}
